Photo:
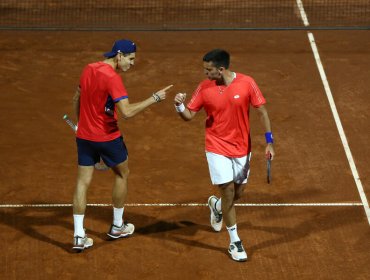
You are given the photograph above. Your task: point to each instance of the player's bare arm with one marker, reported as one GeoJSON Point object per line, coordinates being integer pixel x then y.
{"type": "Point", "coordinates": [267, 125]}
{"type": "Point", "coordinates": [76, 102]}
{"type": "Point", "coordinates": [184, 112]}
{"type": "Point", "coordinates": [128, 110]}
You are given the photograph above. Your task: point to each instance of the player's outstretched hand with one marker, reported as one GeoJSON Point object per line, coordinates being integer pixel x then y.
{"type": "Point", "coordinates": [180, 98]}
{"type": "Point", "coordinates": [161, 94]}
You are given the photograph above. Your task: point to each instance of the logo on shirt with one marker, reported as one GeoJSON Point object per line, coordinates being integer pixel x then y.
{"type": "Point", "coordinates": [236, 96]}
{"type": "Point", "coordinates": [109, 106]}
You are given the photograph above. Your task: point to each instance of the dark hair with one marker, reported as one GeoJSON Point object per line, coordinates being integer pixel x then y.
{"type": "Point", "coordinates": [218, 57]}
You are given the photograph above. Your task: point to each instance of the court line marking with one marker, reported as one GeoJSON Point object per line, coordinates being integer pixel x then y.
{"type": "Point", "coordinates": [333, 108]}
{"type": "Point", "coordinates": [184, 205]}
{"type": "Point", "coordinates": [303, 13]}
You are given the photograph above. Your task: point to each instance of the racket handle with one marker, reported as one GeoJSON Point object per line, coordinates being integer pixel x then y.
{"type": "Point", "coordinates": [70, 123]}
{"type": "Point", "coordinates": [268, 155]}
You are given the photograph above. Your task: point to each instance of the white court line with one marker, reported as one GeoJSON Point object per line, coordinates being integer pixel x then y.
{"type": "Point", "coordinates": [184, 205]}
{"type": "Point", "coordinates": [333, 108]}
{"type": "Point", "coordinates": [303, 13]}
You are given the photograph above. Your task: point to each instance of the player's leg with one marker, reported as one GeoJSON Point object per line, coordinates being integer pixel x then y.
{"type": "Point", "coordinates": [119, 193]}
{"type": "Point", "coordinates": [114, 154]}
{"type": "Point", "coordinates": [119, 227]}
{"type": "Point", "coordinates": [87, 157]}
{"type": "Point", "coordinates": [222, 175]}
{"type": "Point", "coordinates": [227, 194]}
{"type": "Point", "coordinates": [84, 178]}
{"type": "Point", "coordinates": [220, 170]}
{"type": "Point", "coordinates": [236, 249]}
{"type": "Point", "coordinates": [241, 173]}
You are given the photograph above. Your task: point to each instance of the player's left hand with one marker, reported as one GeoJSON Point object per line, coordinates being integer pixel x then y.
{"type": "Point", "coordinates": [269, 151]}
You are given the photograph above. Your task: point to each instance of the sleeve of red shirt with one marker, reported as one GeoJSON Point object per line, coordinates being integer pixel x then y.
{"type": "Point", "coordinates": [116, 89]}
{"type": "Point", "coordinates": [196, 101]}
{"type": "Point", "coordinates": [257, 98]}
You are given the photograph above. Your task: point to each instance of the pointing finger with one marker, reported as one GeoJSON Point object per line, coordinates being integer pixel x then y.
{"type": "Point", "coordinates": [168, 87]}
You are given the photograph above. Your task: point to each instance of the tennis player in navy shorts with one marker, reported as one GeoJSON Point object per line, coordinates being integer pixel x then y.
{"type": "Point", "coordinates": [99, 94]}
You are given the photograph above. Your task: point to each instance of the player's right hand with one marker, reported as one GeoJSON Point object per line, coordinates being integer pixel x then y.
{"type": "Point", "coordinates": [180, 98]}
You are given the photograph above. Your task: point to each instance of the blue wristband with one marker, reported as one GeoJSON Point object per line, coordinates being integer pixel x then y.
{"type": "Point", "coordinates": [269, 138]}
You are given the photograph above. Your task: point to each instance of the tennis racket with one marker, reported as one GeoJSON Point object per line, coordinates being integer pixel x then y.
{"type": "Point", "coordinates": [70, 123]}
{"type": "Point", "coordinates": [99, 165]}
{"type": "Point", "coordinates": [268, 155]}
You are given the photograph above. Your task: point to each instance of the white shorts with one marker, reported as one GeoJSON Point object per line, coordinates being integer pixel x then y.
{"type": "Point", "coordinates": [224, 169]}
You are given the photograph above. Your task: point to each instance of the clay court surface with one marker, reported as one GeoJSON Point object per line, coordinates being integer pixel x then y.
{"type": "Point", "coordinates": [39, 72]}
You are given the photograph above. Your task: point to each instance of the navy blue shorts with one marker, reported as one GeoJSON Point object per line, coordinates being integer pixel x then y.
{"type": "Point", "coordinates": [112, 152]}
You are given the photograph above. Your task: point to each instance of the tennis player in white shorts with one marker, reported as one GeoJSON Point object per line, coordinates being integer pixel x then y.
{"type": "Point", "coordinates": [226, 97]}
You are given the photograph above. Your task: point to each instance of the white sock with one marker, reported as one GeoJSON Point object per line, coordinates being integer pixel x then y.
{"type": "Point", "coordinates": [233, 232]}
{"type": "Point", "coordinates": [118, 216]}
{"type": "Point", "coordinates": [79, 225]}
{"type": "Point", "coordinates": [218, 205]}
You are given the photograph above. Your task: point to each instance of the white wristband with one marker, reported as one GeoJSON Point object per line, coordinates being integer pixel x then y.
{"type": "Point", "coordinates": [180, 108]}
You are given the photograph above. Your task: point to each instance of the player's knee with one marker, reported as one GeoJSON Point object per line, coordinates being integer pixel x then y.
{"type": "Point", "coordinates": [83, 183]}
{"type": "Point", "coordinates": [124, 172]}
{"type": "Point", "coordinates": [121, 170]}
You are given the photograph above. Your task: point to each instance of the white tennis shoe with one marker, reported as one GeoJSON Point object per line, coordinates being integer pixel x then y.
{"type": "Point", "coordinates": [82, 243]}
{"type": "Point", "coordinates": [123, 231]}
{"type": "Point", "coordinates": [237, 252]}
{"type": "Point", "coordinates": [215, 217]}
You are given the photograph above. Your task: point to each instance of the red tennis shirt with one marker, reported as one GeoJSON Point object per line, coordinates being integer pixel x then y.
{"type": "Point", "coordinates": [100, 88]}
{"type": "Point", "coordinates": [227, 108]}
